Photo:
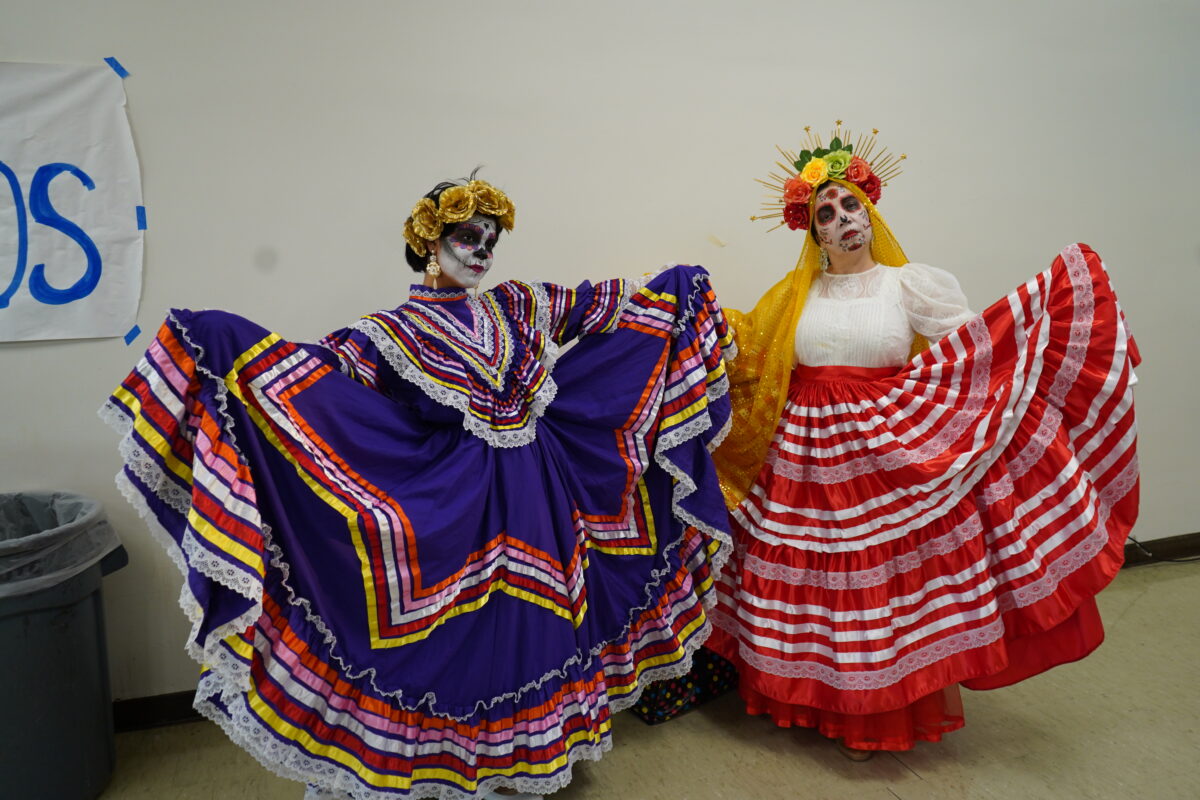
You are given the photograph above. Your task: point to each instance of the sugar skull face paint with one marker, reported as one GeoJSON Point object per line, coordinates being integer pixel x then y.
{"type": "Point", "coordinates": [840, 219]}
{"type": "Point", "coordinates": [466, 253]}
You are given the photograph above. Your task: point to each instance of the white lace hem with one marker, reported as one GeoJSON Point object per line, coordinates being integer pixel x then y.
{"type": "Point", "coordinates": [288, 762]}
{"type": "Point", "coordinates": [459, 401]}
{"type": "Point", "coordinates": [863, 681]}
{"type": "Point", "coordinates": [210, 650]}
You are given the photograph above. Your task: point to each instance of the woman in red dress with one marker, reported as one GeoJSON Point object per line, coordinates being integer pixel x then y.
{"type": "Point", "coordinates": [921, 496]}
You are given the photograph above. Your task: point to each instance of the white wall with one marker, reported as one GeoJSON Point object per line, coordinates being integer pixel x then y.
{"type": "Point", "coordinates": [282, 145]}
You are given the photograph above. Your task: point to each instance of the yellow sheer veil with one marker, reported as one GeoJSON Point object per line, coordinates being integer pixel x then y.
{"type": "Point", "coordinates": [759, 375]}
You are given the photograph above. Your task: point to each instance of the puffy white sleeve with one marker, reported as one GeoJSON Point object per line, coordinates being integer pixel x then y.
{"type": "Point", "coordinates": [933, 300]}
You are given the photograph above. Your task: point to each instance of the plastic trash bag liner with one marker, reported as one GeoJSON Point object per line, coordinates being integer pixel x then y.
{"type": "Point", "coordinates": [49, 537]}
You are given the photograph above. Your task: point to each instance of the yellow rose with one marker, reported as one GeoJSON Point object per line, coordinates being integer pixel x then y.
{"type": "Point", "coordinates": [414, 241]}
{"type": "Point", "coordinates": [815, 171]}
{"type": "Point", "coordinates": [490, 200]}
{"type": "Point", "coordinates": [425, 222]}
{"type": "Point", "coordinates": [456, 204]}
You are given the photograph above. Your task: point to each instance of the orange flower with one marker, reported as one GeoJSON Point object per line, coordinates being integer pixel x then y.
{"type": "Point", "coordinates": [796, 190]}
{"type": "Point", "coordinates": [858, 170]}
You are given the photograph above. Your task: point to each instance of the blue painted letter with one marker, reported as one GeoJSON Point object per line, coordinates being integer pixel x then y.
{"type": "Point", "coordinates": [22, 234]}
{"type": "Point", "coordinates": [42, 211]}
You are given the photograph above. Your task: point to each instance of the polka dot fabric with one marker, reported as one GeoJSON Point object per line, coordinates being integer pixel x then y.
{"type": "Point", "coordinates": [710, 677]}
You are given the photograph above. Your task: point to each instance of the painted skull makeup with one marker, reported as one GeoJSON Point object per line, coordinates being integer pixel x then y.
{"type": "Point", "coordinates": [841, 220]}
{"type": "Point", "coordinates": [466, 254]}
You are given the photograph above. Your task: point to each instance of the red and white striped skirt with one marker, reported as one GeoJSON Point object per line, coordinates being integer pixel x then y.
{"type": "Point", "coordinates": [946, 523]}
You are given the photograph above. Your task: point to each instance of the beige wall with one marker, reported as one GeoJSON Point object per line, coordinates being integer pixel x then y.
{"type": "Point", "coordinates": [282, 144]}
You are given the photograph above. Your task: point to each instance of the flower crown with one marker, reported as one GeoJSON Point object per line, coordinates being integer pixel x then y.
{"type": "Point", "coordinates": [455, 204]}
{"type": "Point", "coordinates": [860, 164]}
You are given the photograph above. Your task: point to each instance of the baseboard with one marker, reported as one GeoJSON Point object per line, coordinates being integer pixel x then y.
{"type": "Point", "coordinates": [151, 712]}
{"type": "Point", "coordinates": [168, 709]}
{"type": "Point", "coordinates": [1184, 546]}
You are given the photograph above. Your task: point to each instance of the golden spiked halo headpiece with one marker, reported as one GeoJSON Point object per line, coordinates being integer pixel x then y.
{"type": "Point", "coordinates": [852, 161]}
{"type": "Point", "coordinates": [455, 204]}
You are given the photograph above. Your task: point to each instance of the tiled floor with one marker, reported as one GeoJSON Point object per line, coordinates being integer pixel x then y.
{"type": "Point", "coordinates": [1123, 723]}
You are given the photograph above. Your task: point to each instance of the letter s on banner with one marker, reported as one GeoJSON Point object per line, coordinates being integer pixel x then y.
{"type": "Point", "coordinates": [43, 211]}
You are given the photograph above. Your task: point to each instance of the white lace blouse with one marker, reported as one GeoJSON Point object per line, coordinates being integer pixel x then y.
{"type": "Point", "coordinates": [867, 319]}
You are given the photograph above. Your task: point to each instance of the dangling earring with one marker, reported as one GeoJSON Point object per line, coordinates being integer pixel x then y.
{"type": "Point", "coordinates": [824, 259]}
{"type": "Point", "coordinates": [433, 268]}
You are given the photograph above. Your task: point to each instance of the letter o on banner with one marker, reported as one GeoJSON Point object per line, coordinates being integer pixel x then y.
{"type": "Point", "coordinates": [71, 214]}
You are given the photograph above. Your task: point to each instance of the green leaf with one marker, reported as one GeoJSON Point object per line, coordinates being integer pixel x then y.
{"type": "Point", "coordinates": [849, 148]}
{"type": "Point", "coordinates": [805, 157]}
{"type": "Point", "coordinates": [835, 144]}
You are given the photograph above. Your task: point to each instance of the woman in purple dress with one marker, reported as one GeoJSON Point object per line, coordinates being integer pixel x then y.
{"type": "Point", "coordinates": [423, 559]}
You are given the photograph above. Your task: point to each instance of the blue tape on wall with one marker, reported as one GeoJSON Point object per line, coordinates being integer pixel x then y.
{"type": "Point", "coordinates": [141, 218]}
{"type": "Point", "coordinates": [134, 332]}
{"type": "Point", "coordinates": [117, 68]}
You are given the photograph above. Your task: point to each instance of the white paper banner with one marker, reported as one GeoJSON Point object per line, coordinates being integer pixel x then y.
{"type": "Point", "coordinates": [70, 204]}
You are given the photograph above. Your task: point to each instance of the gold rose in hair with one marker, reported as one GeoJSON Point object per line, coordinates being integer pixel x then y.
{"type": "Point", "coordinates": [455, 204]}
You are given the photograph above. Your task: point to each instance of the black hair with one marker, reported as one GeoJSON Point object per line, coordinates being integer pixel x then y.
{"type": "Point", "coordinates": [417, 262]}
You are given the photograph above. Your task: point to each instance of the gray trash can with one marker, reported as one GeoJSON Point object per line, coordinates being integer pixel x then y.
{"type": "Point", "coordinates": [56, 729]}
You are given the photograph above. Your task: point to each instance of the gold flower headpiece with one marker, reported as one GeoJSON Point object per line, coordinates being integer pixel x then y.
{"type": "Point", "coordinates": [861, 163]}
{"type": "Point", "coordinates": [455, 204]}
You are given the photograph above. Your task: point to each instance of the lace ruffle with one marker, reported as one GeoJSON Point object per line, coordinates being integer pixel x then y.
{"type": "Point", "coordinates": [286, 762]}
{"type": "Point", "coordinates": [541, 323]}
{"type": "Point", "coordinates": [851, 286]}
{"type": "Point", "coordinates": [895, 459]}
{"type": "Point", "coordinates": [875, 576]}
{"type": "Point", "coordinates": [210, 651]}
{"type": "Point", "coordinates": [1081, 325]}
{"type": "Point", "coordinates": [863, 681]}
{"type": "Point", "coordinates": [482, 338]}
{"type": "Point", "coordinates": [457, 400]}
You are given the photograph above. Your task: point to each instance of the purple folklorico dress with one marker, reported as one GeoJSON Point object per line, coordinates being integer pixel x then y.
{"type": "Point", "coordinates": [422, 559]}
